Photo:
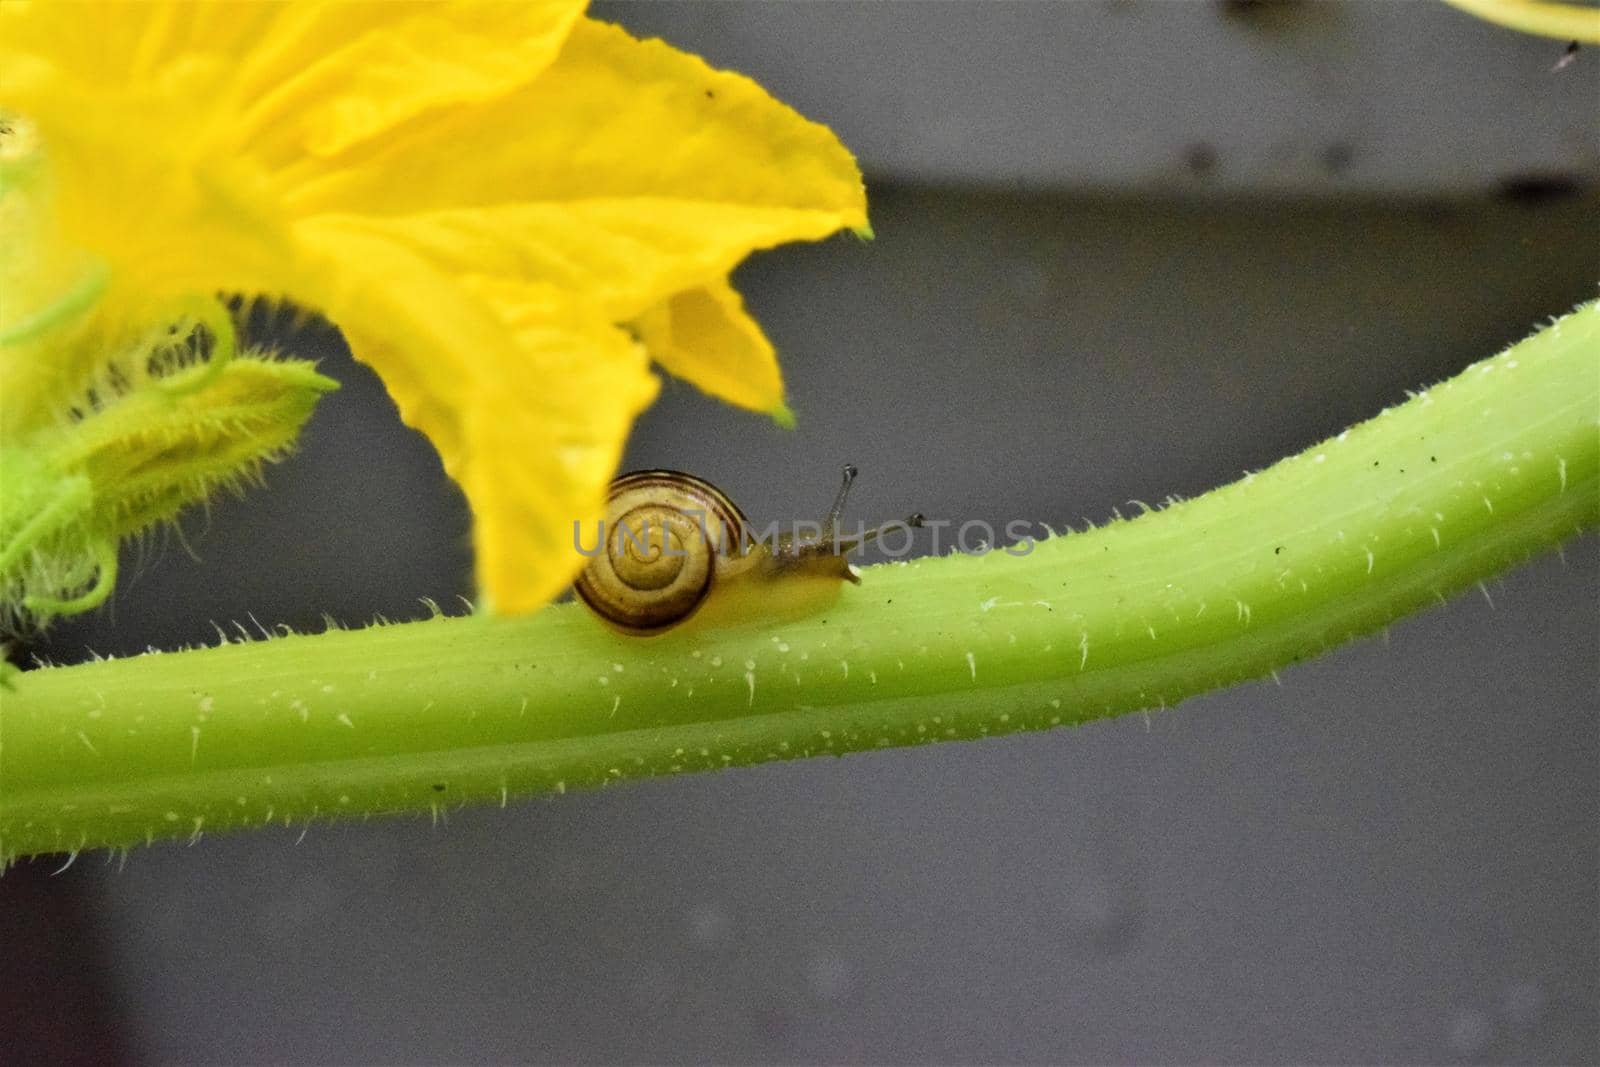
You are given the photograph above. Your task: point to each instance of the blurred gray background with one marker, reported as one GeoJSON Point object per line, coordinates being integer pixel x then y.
{"type": "Point", "coordinates": [1124, 250]}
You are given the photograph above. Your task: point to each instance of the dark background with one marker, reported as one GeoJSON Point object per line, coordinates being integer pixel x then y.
{"type": "Point", "coordinates": [1123, 251]}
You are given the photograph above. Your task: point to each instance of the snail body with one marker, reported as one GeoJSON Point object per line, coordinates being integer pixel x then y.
{"type": "Point", "coordinates": [675, 547]}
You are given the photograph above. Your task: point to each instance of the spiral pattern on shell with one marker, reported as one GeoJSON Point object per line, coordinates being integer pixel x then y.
{"type": "Point", "coordinates": [664, 535]}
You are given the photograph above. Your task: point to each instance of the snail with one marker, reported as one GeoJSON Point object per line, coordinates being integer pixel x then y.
{"type": "Point", "coordinates": [673, 546]}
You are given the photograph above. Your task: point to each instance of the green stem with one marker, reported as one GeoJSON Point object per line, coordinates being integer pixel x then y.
{"type": "Point", "coordinates": [1429, 497]}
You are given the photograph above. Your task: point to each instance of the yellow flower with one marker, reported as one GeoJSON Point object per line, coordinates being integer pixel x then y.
{"type": "Point", "coordinates": [509, 209]}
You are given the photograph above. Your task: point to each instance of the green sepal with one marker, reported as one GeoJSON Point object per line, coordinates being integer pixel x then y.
{"type": "Point", "coordinates": [75, 490]}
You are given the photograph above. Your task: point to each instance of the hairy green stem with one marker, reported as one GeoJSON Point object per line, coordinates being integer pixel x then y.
{"type": "Point", "coordinates": [1431, 496]}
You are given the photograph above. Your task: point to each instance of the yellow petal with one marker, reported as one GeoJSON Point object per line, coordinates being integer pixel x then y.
{"type": "Point", "coordinates": [113, 44]}
{"type": "Point", "coordinates": [629, 173]}
{"type": "Point", "coordinates": [427, 336]}
{"type": "Point", "coordinates": [197, 113]}
{"type": "Point", "coordinates": [527, 394]}
{"type": "Point", "coordinates": [297, 77]}
{"type": "Point", "coordinates": [329, 77]}
{"type": "Point", "coordinates": [706, 336]}
{"type": "Point", "coordinates": [623, 254]}
{"type": "Point", "coordinates": [543, 442]}
{"type": "Point", "coordinates": [611, 118]}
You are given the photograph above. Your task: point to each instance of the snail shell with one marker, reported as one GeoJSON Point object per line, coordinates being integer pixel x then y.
{"type": "Point", "coordinates": [665, 535]}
